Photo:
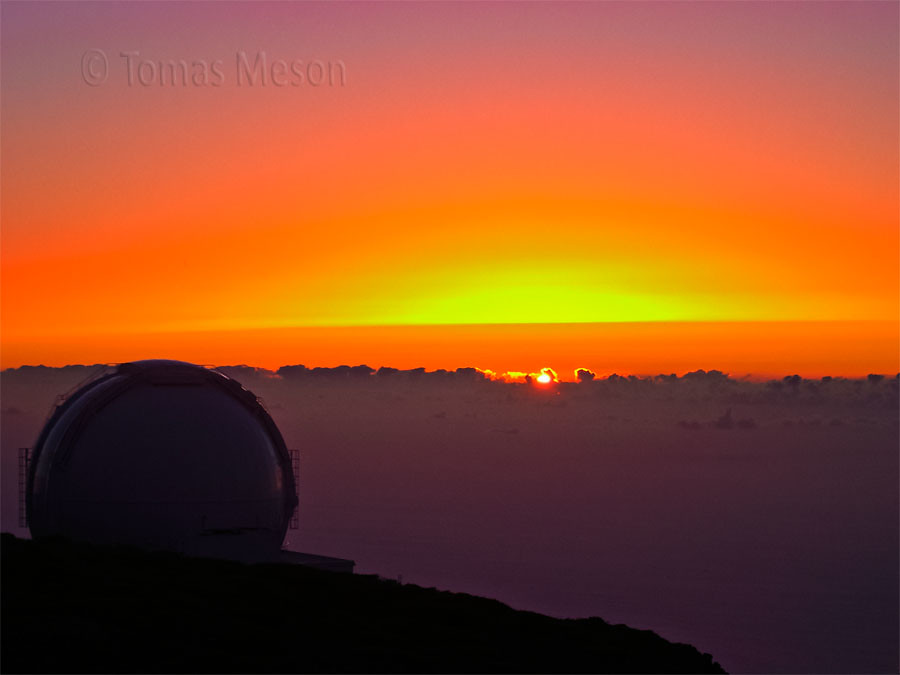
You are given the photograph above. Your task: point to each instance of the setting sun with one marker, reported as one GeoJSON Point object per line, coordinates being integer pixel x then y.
{"type": "Point", "coordinates": [544, 378]}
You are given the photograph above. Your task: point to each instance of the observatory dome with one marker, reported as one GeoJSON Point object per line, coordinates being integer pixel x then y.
{"type": "Point", "coordinates": [163, 455]}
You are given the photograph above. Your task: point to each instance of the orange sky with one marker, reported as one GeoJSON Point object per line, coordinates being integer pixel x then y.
{"type": "Point", "coordinates": [482, 164]}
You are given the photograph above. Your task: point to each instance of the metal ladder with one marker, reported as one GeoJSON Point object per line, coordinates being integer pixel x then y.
{"type": "Point", "coordinates": [295, 469]}
{"type": "Point", "coordinates": [24, 461]}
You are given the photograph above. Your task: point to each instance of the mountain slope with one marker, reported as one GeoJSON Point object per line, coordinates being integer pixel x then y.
{"type": "Point", "coordinates": [71, 607]}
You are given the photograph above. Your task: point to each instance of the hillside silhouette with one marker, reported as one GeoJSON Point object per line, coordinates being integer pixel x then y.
{"type": "Point", "coordinates": [72, 607]}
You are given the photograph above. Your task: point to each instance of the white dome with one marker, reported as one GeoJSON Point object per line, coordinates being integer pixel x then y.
{"type": "Point", "coordinates": [163, 455]}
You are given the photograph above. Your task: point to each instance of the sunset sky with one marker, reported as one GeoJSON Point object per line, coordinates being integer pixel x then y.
{"type": "Point", "coordinates": [670, 185]}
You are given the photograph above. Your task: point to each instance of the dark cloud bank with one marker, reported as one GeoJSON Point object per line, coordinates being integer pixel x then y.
{"type": "Point", "coordinates": [874, 389]}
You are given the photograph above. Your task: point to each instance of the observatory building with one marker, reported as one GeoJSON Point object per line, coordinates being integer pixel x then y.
{"type": "Point", "coordinates": [166, 455]}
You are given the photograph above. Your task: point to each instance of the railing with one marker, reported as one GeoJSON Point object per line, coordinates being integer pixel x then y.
{"type": "Point", "coordinates": [90, 377]}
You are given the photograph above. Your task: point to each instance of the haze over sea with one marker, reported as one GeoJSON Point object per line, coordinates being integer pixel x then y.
{"type": "Point", "coordinates": [767, 536]}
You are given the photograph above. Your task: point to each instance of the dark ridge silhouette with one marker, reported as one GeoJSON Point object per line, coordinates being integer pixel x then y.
{"type": "Point", "coordinates": [364, 372]}
{"type": "Point", "coordinates": [725, 421]}
{"type": "Point", "coordinates": [71, 607]}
